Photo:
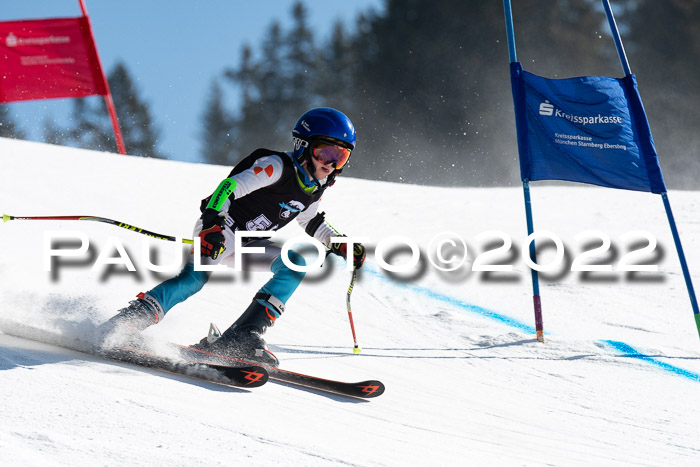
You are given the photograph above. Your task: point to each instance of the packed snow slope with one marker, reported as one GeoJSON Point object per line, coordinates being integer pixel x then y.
{"type": "Point", "coordinates": [615, 383]}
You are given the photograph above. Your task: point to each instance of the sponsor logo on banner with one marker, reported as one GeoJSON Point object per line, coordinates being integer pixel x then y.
{"type": "Point", "coordinates": [546, 109]}
{"type": "Point", "coordinates": [13, 40]}
{"type": "Point", "coordinates": [49, 59]}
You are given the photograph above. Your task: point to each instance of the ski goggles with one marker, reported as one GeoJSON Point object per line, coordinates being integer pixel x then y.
{"type": "Point", "coordinates": [329, 153]}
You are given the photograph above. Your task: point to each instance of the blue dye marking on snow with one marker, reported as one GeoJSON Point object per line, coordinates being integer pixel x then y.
{"type": "Point", "coordinates": [626, 349]}
{"type": "Point", "coordinates": [458, 303]}
{"type": "Point", "coordinates": [629, 351]}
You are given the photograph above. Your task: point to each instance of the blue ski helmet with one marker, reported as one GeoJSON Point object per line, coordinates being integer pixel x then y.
{"type": "Point", "coordinates": [320, 124]}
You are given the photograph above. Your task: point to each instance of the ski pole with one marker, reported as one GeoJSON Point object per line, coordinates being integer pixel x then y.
{"type": "Point", "coordinates": [356, 349]}
{"type": "Point", "coordinates": [7, 218]}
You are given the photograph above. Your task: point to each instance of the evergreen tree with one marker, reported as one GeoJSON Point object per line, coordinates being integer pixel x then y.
{"type": "Point", "coordinates": [434, 88]}
{"type": "Point", "coordinates": [85, 127]}
{"type": "Point", "coordinates": [8, 128]}
{"type": "Point", "coordinates": [217, 141]}
{"type": "Point", "coordinates": [336, 70]}
{"type": "Point", "coordinates": [428, 88]}
{"type": "Point", "coordinates": [262, 86]}
{"type": "Point", "coordinates": [564, 38]}
{"type": "Point", "coordinates": [53, 134]}
{"type": "Point", "coordinates": [141, 137]}
{"type": "Point", "coordinates": [427, 74]}
{"type": "Point", "coordinates": [300, 67]}
{"type": "Point", "coordinates": [88, 126]}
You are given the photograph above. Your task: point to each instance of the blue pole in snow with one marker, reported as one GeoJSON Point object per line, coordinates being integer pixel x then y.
{"type": "Point", "coordinates": [681, 257]}
{"type": "Point", "coordinates": [537, 302]}
{"type": "Point", "coordinates": [664, 196]}
{"type": "Point", "coordinates": [539, 327]}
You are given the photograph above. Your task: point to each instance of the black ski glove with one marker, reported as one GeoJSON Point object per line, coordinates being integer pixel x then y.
{"type": "Point", "coordinates": [211, 236]}
{"type": "Point", "coordinates": [358, 253]}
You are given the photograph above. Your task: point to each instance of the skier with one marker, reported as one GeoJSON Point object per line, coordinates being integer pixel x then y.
{"type": "Point", "coordinates": [264, 191]}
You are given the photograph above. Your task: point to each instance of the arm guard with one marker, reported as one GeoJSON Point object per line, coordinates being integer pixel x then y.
{"type": "Point", "coordinates": [222, 193]}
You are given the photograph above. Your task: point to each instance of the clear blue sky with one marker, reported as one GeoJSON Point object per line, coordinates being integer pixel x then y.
{"type": "Point", "coordinates": [173, 48]}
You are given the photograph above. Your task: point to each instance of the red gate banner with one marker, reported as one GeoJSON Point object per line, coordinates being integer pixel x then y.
{"type": "Point", "coordinates": [49, 58]}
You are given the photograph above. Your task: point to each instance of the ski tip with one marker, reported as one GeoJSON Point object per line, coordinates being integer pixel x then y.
{"type": "Point", "coordinates": [372, 388]}
{"type": "Point", "coordinates": [6, 218]}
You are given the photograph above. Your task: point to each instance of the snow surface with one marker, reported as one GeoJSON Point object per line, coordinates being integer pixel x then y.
{"type": "Point", "coordinates": [615, 383]}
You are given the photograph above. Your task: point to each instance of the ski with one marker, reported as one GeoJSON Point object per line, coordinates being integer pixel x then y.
{"type": "Point", "coordinates": [362, 389]}
{"type": "Point", "coordinates": [249, 375]}
{"type": "Point", "coordinates": [207, 366]}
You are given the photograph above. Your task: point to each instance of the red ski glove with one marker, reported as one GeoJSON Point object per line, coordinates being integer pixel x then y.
{"type": "Point", "coordinates": [211, 236]}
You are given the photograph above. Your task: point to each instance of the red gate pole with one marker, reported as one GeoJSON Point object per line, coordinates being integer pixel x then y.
{"type": "Point", "coordinates": [108, 97]}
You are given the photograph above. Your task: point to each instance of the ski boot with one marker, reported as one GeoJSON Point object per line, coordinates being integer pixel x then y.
{"type": "Point", "coordinates": [243, 340]}
{"type": "Point", "coordinates": [126, 326]}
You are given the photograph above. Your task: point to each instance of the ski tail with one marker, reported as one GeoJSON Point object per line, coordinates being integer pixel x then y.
{"type": "Point", "coordinates": [247, 375]}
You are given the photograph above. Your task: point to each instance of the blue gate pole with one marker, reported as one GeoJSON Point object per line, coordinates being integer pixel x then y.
{"type": "Point", "coordinates": [539, 326]}
{"type": "Point", "coordinates": [537, 302]}
{"type": "Point", "coordinates": [664, 196]}
{"type": "Point", "coordinates": [681, 257]}
{"type": "Point", "coordinates": [616, 37]}
{"type": "Point", "coordinates": [509, 31]}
